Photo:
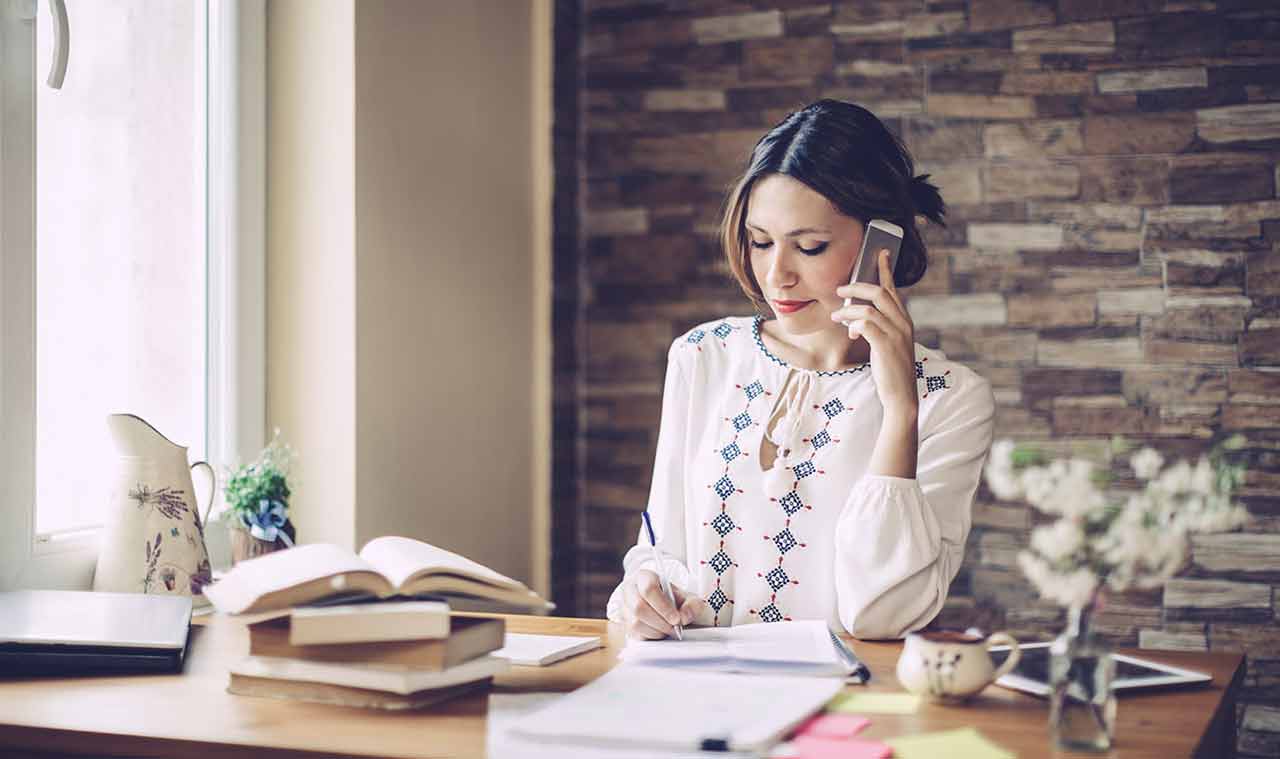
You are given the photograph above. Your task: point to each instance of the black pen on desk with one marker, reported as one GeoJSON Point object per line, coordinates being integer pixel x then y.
{"type": "Point", "coordinates": [662, 572]}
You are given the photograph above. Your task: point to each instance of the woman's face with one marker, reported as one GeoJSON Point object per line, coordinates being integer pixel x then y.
{"type": "Point", "coordinates": [802, 249]}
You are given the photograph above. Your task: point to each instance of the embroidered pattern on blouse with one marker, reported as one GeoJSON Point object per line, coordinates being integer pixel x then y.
{"type": "Point", "coordinates": [720, 331]}
{"type": "Point", "coordinates": [784, 541]}
{"type": "Point", "coordinates": [931, 382]}
{"type": "Point", "coordinates": [723, 524]}
{"type": "Point", "coordinates": [755, 331]}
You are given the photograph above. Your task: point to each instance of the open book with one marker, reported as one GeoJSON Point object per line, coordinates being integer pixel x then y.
{"type": "Point", "coordinates": [387, 566]}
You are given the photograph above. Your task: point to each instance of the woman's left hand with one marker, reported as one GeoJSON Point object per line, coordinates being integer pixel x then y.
{"type": "Point", "coordinates": [888, 329]}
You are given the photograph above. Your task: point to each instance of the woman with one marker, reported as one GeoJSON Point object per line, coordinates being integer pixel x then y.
{"type": "Point", "coordinates": [819, 464]}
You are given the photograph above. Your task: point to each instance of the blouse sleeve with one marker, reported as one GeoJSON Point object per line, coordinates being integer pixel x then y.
{"type": "Point", "coordinates": [666, 504]}
{"type": "Point", "coordinates": [900, 542]}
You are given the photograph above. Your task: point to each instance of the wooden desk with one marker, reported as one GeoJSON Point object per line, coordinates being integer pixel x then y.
{"type": "Point", "coordinates": [193, 715]}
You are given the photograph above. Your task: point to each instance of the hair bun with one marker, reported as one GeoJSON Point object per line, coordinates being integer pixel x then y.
{"type": "Point", "coordinates": [927, 199]}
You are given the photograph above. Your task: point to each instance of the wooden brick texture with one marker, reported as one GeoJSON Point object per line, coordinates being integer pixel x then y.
{"type": "Point", "coordinates": [1111, 262]}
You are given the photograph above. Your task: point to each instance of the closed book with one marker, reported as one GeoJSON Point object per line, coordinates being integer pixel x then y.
{"type": "Point", "coordinates": [469, 637]}
{"type": "Point", "coordinates": [342, 695]}
{"type": "Point", "coordinates": [368, 622]}
{"type": "Point", "coordinates": [385, 567]}
{"type": "Point", "coordinates": [402, 680]}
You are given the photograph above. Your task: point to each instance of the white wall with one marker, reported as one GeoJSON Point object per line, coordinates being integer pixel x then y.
{"type": "Point", "coordinates": [444, 264]}
{"type": "Point", "coordinates": [311, 308]}
{"type": "Point", "coordinates": [432, 334]}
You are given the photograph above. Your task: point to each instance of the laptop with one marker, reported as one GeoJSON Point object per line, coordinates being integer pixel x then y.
{"type": "Point", "coordinates": [59, 632]}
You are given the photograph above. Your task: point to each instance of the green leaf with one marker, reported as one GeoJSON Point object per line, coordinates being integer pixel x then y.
{"type": "Point", "coordinates": [1027, 457]}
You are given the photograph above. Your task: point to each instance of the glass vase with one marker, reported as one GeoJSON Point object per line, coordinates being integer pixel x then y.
{"type": "Point", "coordinates": [1082, 705]}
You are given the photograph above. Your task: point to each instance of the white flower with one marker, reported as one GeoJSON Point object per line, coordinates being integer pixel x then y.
{"type": "Point", "coordinates": [1064, 488]}
{"type": "Point", "coordinates": [1066, 588]}
{"type": "Point", "coordinates": [1126, 537]}
{"type": "Point", "coordinates": [1004, 485]}
{"type": "Point", "coordinates": [1058, 541]}
{"type": "Point", "coordinates": [1220, 517]}
{"type": "Point", "coordinates": [1141, 542]}
{"type": "Point", "coordinates": [1001, 478]}
{"type": "Point", "coordinates": [1146, 463]}
{"type": "Point", "coordinates": [1175, 479]}
{"type": "Point", "coordinates": [1203, 480]}
{"type": "Point", "coordinates": [1002, 453]}
{"type": "Point", "coordinates": [1037, 484]}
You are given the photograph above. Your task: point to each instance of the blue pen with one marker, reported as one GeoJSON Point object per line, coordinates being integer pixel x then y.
{"type": "Point", "coordinates": [662, 574]}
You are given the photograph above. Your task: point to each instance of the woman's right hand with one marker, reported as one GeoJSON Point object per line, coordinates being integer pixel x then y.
{"type": "Point", "coordinates": [648, 613]}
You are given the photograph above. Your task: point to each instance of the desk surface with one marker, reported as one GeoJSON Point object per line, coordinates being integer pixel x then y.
{"type": "Point", "coordinates": [192, 714]}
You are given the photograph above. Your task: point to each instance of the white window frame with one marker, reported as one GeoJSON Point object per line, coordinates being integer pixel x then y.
{"type": "Point", "coordinates": [235, 111]}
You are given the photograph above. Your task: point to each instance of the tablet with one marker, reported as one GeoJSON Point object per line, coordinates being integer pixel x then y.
{"type": "Point", "coordinates": [1032, 673]}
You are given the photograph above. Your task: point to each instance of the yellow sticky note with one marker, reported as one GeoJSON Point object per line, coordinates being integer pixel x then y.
{"type": "Point", "coordinates": [962, 743]}
{"type": "Point", "coordinates": [870, 702]}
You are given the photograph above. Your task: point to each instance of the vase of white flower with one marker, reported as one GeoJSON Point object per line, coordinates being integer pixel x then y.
{"type": "Point", "coordinates": [1082, 706]}
{"type": "Point", "coordinates": [1107, 539]}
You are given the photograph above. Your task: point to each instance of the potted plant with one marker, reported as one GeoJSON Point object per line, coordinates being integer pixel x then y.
{"type": "Point", "coordinates": [257, 497]}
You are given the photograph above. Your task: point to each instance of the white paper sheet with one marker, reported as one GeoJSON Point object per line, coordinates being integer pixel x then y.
{"type": "Point", "coordinates": [540, 650]}
{"type": "Point", "coordinates": [795, 648]}
{"type": "Point", "coordinates": [677, 710]}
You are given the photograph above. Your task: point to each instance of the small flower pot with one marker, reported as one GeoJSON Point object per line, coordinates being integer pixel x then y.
{"type": "Point", "coordinates": [246, 546]}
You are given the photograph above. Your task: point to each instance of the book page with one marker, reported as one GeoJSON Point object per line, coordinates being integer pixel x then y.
{"type": "Point", "coordinates": [250, 580]}
{"type": "Point", "coordinates": [400, 559]}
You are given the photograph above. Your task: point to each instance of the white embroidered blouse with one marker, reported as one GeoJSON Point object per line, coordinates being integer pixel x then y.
{"type": "Point", "coordinates": [808, 535]}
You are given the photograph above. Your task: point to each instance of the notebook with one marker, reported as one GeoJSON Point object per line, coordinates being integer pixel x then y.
{"type": "Point", "coordinates": [541, 650]}
{"type": "Point", "coordinates": [60, 632]}
{"type": "Point", "coordinates": [678, 710]}
{"type": "Point", "coordinates": [781, 648]}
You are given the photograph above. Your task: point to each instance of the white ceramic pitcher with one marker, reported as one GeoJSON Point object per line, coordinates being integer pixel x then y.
{"type": "Point", "coordinates": [154, 537]}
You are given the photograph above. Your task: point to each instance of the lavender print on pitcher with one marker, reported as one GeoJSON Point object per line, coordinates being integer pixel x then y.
{"type": "Point", "coordinates": [154, 538]}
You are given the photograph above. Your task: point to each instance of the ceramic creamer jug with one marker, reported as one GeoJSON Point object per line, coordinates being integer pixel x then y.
{"type": "Point", "coordinates": [950, 666]}
{"type": "Point", "coordinates": [154, 538]}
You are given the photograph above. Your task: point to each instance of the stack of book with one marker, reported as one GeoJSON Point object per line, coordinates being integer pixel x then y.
{"type": "Point", "coordinates": [334, 627]}
{"type": "Point", "coordinates": [387, 655]}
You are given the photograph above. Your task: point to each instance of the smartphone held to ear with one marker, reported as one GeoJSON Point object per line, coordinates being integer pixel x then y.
{"type": "Point", "coordinates": [880, 235]}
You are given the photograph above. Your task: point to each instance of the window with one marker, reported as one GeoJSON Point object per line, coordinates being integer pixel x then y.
{"type": "Point", "coordinates": [120, 245]}
{"type": "Point", "coordinates": [130, 275]}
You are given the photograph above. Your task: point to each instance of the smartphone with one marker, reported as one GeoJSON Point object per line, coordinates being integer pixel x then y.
{"type": "Point", "coordinates": [880, 235]}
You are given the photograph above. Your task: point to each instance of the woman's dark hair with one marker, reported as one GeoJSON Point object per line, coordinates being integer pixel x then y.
{"type": "Point", "coordinates": [844, 153]}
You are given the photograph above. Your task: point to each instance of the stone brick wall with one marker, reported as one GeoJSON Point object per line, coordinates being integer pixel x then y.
{"type": "Point", "coordinates": [1112, 261]}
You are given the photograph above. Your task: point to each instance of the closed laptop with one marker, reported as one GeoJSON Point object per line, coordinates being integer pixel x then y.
{"type": "Point", "coordinates": [58, 632]}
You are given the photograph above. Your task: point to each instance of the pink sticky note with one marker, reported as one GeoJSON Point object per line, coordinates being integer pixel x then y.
{"type": "Point", "coordinates": [812, 747]}
{"type": "Point", "coordinates": [833, 726]}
